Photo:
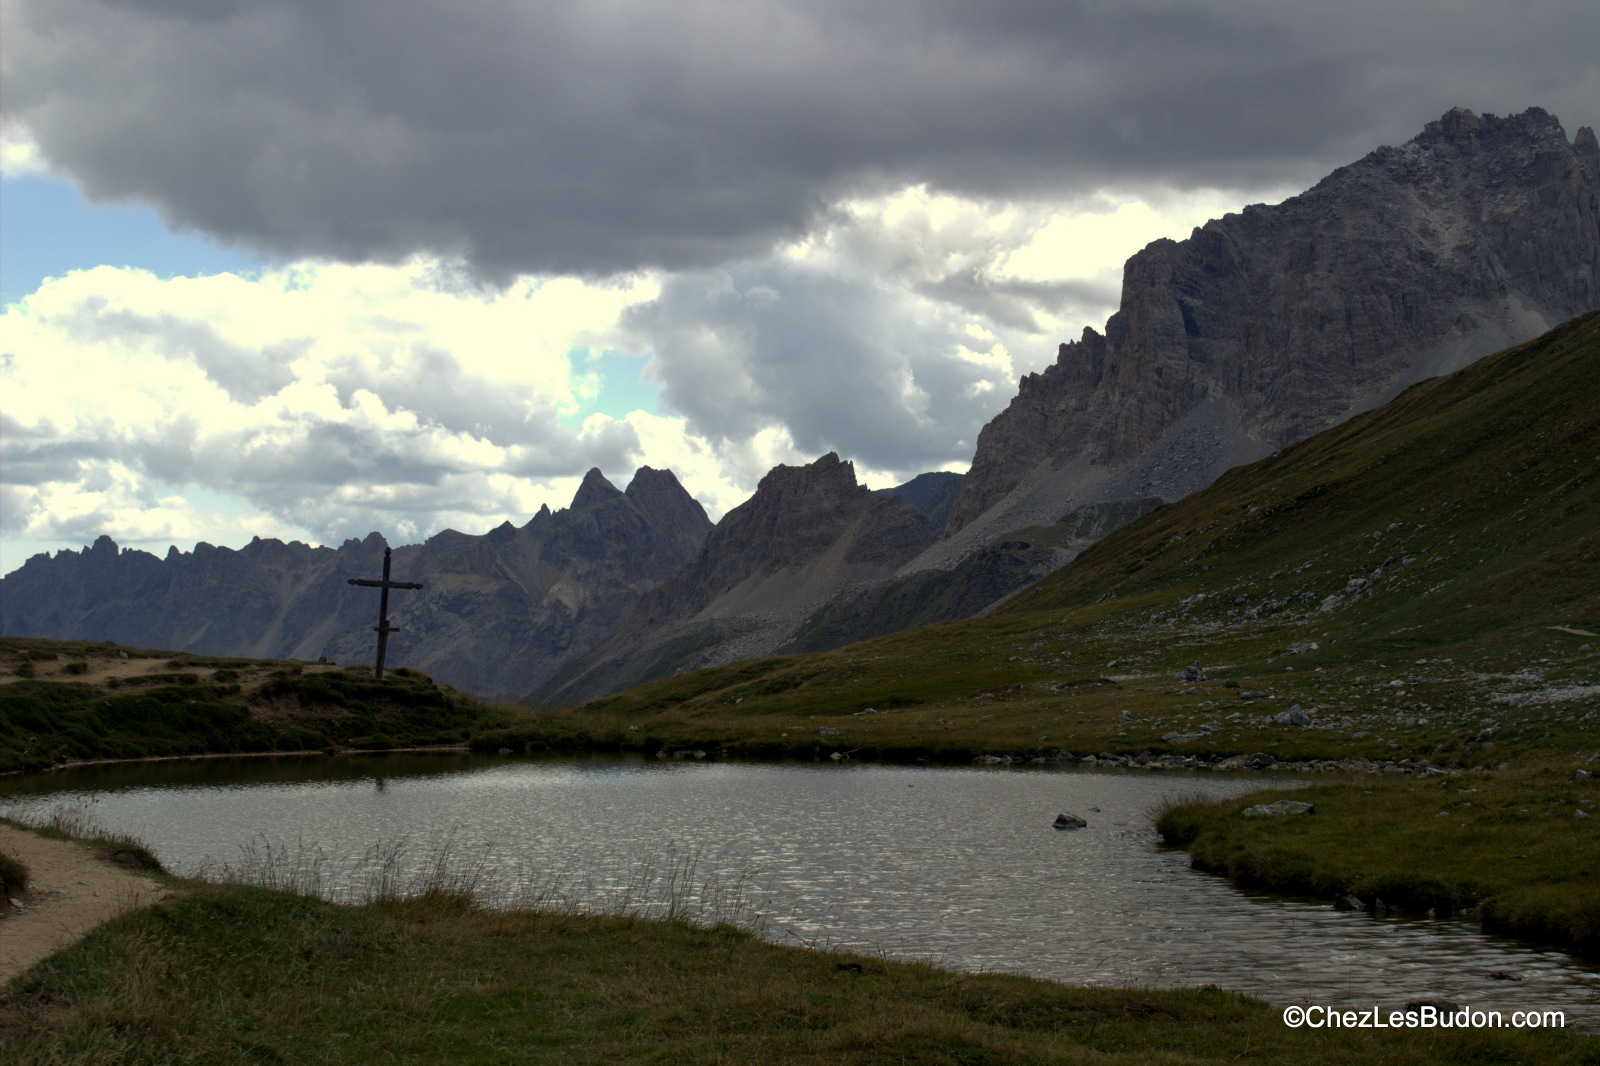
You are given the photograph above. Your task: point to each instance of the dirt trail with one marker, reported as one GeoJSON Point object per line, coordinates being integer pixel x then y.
{"type": "Point", "coordinates": [70, 891]}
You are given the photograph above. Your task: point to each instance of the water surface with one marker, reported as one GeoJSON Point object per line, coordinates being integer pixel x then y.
{"type": "Point", "coordinates": [955, 866]}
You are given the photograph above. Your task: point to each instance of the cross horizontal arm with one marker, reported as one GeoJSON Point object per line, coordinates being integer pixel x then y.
{"type": "Point", "coordinates": [384, 584]}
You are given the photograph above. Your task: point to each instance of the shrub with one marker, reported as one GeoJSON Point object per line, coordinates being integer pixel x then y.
{"type": "Point", "coordinates": [13, 875]}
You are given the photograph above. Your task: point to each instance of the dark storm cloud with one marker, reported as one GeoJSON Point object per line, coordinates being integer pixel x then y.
{"type": "Point", "coordinates": [595, 137]}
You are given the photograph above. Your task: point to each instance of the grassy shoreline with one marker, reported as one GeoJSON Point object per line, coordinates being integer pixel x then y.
{"type": "Point", "coordinates": [1504, 848]}
{"type": "Point", "coordinates": [236, 973]}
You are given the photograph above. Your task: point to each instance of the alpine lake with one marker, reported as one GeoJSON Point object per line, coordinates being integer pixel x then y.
{"type": "Point", "coordinates": [955, 866]}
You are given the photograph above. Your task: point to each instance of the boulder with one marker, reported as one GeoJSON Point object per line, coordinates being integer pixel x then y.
{"type": "Point", "coordinates": [1295, 715]}
{"type": "Point", "coordinates": [1278, 809]}
{"type": "Point", "coordinates": [1191, 673]}
{"type": "Point", "coordinates": [1069, 821]}
{"type": "Point", "coordinates": [1349, 903]}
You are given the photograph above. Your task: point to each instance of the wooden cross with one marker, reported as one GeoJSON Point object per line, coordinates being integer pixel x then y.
{"type": "Point", "coordinates": [384, 628]}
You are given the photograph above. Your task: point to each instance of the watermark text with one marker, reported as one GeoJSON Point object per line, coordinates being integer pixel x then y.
{"type": "Point", "coordinates": [1422, 1016]}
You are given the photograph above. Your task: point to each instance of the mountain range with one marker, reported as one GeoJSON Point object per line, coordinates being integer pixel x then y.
{"type": "Point", "coordinates": [499, 612]}
{"type": "Point", "coordinates": [1260, 329]}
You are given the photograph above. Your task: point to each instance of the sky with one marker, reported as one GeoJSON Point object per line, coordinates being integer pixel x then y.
{"type": "Point", "coordinates": [307, 271]}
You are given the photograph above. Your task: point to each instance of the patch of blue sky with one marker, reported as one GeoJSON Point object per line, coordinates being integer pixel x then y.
{"type": "Point", "coordinates": [618, 385]}
{"type": "Point", "coordinates": [48, 230]}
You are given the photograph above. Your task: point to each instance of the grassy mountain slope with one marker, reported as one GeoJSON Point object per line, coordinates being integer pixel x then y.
{"type": "Point", "coordinates": [1422, 582]}
{"type": "Point", "coordinates": [1400, 577]}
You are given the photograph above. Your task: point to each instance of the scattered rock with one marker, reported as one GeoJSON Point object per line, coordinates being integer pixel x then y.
{"type": "Point", "coordinates": [1501, 975]}
{"type": "Point", "coordinates": [1380, 908]}
{"type": "Point", "coordinates": [1295, 715]}
{"type": "Point", "coordinates": [1580, 813]}
{"type": "Point", "coordinates": [856, 967]}
{"type": "Point", "coordinates": [503, 751]}
{"type": "Point", "coordinates": [1581, 775]}
{"type": "Point", "coordinates": [1253, 694]}
{"type": "Point", "coordinates": [1192, 673]}
{"type": "Point", "coordinates": [828, 731]}
{"type": "Point", "coordinates": [1124, 717]}
{"type": "Point", "coordinates": [1069, 821]}
{"type": "Point", "coordinates": [1349, 903]}
{"type": "Point", "coordinates": [1278, 809]}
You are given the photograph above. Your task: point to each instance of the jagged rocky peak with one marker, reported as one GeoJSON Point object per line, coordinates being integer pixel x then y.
{"type": "Point", "coordinates": [658, 489]}
{"type": "Point", "coordinates": [798, 512]}
{"type": "Point", "coordinates": [657, 494]}
{"type": "Point", "coordinates": [1587, 147]}
{"type": "Point", "coordinates": [804, 533]}
{"type": "Point", "coordinates": [594, 491]}
{"type": "Point", "coordinates": [829, 474]}
{"type": "Point", "coordinates": [661, 496]}
{"type": "Point", "coordinates": [1279, 321]}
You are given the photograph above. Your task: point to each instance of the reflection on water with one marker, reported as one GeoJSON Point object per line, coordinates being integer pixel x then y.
{"type": "Point", "coordinates": [956, 866]}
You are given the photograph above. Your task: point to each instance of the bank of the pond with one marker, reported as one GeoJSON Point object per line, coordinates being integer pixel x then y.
{"type": "Point", "coordinates": [1515, 849]}
{"type": "Point", "coordinates": [232, 973]}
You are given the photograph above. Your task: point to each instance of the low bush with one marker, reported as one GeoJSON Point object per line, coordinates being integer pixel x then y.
{"type": "Point", "coordinates": [13, 876]}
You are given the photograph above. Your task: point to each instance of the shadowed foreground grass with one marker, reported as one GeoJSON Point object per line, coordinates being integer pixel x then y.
{"type": "Point", "coordinates": [225, 974]}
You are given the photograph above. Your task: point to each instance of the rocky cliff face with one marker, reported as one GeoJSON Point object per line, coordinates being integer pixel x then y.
{"type": "Point", "coordinates": [499, 614]}
{"type": "Point", "coordinates": [807, 533]}
{"type": "Point", "coordinates": [1269, 325]}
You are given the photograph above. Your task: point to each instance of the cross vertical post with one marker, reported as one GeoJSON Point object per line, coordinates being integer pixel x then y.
{"type": "Point", "coordinates": [383, 627]}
